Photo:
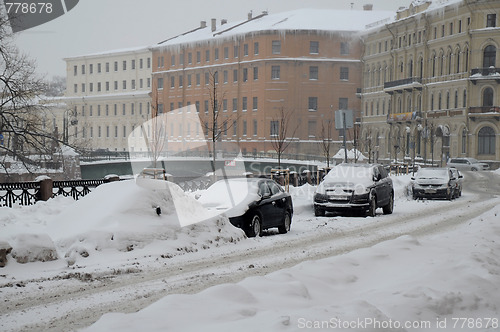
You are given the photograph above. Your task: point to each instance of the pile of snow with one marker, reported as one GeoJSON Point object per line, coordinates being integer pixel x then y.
{"type": "Point", "coordinates": [352, 155]}
{"type": "Point", "coordinates": [119, 216]}
{"type": "Point", "coordinates": [398, 285]}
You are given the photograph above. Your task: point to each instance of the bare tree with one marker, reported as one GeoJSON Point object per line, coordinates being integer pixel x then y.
{"type": "Point", "coordinates": [280, 132]}
{"type": "Point", "coordinates": [326, 139]}
{"type": "Point", "coordinates": [369, 144]}
{"type": "Point", "coordinates": [155, 135]}
{"type": "Point", "coordinates": [218, 124]}
{"type": "Point", "coordinates": [22, 125]}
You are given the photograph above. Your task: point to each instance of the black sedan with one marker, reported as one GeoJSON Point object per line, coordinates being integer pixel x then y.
{"type": "Point", "coordinates": [253, 204]}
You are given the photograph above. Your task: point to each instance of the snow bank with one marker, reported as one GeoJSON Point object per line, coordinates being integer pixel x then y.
{"type": "Point", "coordinates": [402, 284]}
{"type": "Point", "coordinates": [119, 216]}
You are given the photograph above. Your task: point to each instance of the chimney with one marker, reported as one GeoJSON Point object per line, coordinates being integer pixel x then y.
{"type": "Point", "coordinates": [214, 22]}
{"type": "Point", "coordinates": [368, 7]}
{"type": "Point", "coordinates": [223, 21]}
{"type": "Point", "coordinates": [203, 24]}
{"type": "Point", "coordinates": [250, 14]}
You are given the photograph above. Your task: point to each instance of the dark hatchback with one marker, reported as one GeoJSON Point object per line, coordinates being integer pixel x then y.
{"type": "Point", "coordinates": [355, 187]}
{"type": "Point", "coordinates": [253, 204]}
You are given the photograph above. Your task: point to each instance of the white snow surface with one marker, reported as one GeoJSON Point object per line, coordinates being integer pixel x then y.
{"type": "Point", "coordinates": [430, 281]}
{"type": "Point", "coordinates": [296, 20]}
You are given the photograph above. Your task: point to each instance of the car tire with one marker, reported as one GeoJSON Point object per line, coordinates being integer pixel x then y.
{"type": "Point", "coordinates": [319, 212]}
{"type": "Point", "coordinates": [287, 221]}
{"type": "Point", "coordinates": [255, 227]}
{"type": "Point", "coordinates": [372, 208]}
{"type": "Point", "coordinates": [473, 169]}
{"type": "Point", "coordinates": [389, 207]}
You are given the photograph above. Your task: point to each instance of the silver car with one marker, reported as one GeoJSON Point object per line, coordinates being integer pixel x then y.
{"type": "Point", "coordinates": [467, 164]}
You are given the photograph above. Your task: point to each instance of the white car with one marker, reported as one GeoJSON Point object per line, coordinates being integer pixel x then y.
{"type": "Point", "coordinates": [467, 164]}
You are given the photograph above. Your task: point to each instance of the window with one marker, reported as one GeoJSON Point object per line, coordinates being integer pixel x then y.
{"type": "Point", "coordinates": [245, 74]}
{"type": "Point", "coordinates": [314, 47]}
{"type": "Point", "coordinates": [235, 104]}
{"type": "Point", "coordinates": [181, 81]}
{"type": "Point", "coordinates": [486, 141]}
{"type": "Point", "coordinates": [275, 126]}
{"type": "Point", "coordinates": [236, 51]}
{"type": "Point", "coordinates": [216, 54]}
{"type": "Point", "coordinates": [107, 67]}
{"type": "Point", "coordinates": [451, 28]}
{"type": "Point", "coordinates": [172, 81]}
{"type": "Point", "coordinates": [172, 60]}
{"type": "Point", "coordinates": [255, 127]}
{"type": "Point", "coordinates": [190, 58]}
{"type": "Point", "coordinates": [256, 48]}
{"type": "Point", "coordinates": [206, 106]}
{"type": "Point", "coordinates": [226, 75]}
{"type": "Point", "coordinates": [235, 75]}
{"type": "Point", "coordinates": [275, 72]}
{"type": "Point", "coordinates": [344, 48]}
{"type": "Point", "coordinates": [313, 72]}
{"type": "Point", "coordinates": [124, 65]}
{"type": "Point", "coordinates": [489, 56]}
{"type": "Point", "coordinates": [91, 69]}
{"type": "Point", "coordinates": [464, 141]}
{"type": "Point", "coordinates": [344, 73]}
{"type": "Point", "coordinates": [311, 128]}
{"type": "Point", "coordinates": [75, 70]}
{"type": "Point", "coordinates": [255, 73]}
{"type": "Point", "coordinates": [83, 87]}
{"type": "Point", "coordinates": [99, 68]}
{"type": "Point", "coordinates": [488, 97]}
{"type": "Point", "coordinates": [98, 86]}
{"type": "Point", "coordinates": [245, 50]}
{"type": "Point", "coordinates": [313, 104]}
{"type": "Point", "coordinates": [244, 104]}
{"type": "Point", "coordinates": [124, 84]}
{"type": "Point", "coordinates": [198, 57]}
{"type": "Point", "coordinates": [116, 65]}
{"type": "Point", "coordinates": [255, 103]}
{"type": "Point", "coordinates": [189, 79]}
{"type": "Point", "coordinates": [244, 127]}
{"type": "Point", "coordinates": [83, 69]}
{"type": "Point", "coordinates": [343, 103]}
{"type": "Point", "coordinates": [207, 55]}
{"type": "Point", "coordinates": [491, 20]}
{"type": "Point", "coordinates": [160, 82]}
{"type": "Point", "coordinates": [91, 87]}
{"type": "Point", "coordinates": [116, 85]}
{"type": "Point", "coordinates": [198, 79]}
{"type": "Point", "coordinates": [224, 105]}
{"type": "Point", "coordinates": [276, 46]}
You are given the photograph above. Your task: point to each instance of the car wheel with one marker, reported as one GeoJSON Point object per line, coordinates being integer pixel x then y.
{"type": "Point", "coordinates": [449, 195]}
{"type": "Point", "coordinates": [373, 206]}
{"type": "Point", "coordinates": [319, 212]}
{"type": "Point", "coordinates": [255, 227]}
{"type": "Point", "coordinates": [389, 207]}
{"type": "Point", "coordinates": [287, 221]}
{"type": "Point", "coordinates": [473, 169]}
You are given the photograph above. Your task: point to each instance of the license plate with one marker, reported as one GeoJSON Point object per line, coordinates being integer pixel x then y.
{"type": "Point", "coordinates": [430, 191]}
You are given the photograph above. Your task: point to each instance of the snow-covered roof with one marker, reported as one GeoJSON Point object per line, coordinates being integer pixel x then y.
{"type": "Point", "coordinates": [296, 20]}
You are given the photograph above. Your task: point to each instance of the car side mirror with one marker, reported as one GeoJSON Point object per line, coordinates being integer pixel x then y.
{"type": "Point", "coordinates": [413, 178]}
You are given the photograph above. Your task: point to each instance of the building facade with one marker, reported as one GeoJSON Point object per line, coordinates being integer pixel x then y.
{"type": "Point", "coordinates": [107, 97]}
{"type": "Point", "coordinates": [431, 87]}
{"type": "Point", "coordinates": [304, 64]}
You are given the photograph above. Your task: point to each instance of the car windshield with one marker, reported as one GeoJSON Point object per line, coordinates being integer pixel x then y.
{"type": "Point", "coordinates": [432, 174]}
{"type": "Point", "coordinates": [347, 175]}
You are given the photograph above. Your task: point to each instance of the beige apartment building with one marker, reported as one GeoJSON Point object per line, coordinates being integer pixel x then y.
{"type": "Point", "coordinates": [306, 63]}
{"type": "Point", "coordinates": [431, 83]}
{"type": "Point", "coordinates": [107, 97]}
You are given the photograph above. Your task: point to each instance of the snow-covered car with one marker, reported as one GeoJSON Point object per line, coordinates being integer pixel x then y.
{"type": "Point", "coordinates": [362, 187]}
{"type": "Point", "coordinates": [459, 181]}
{"type": "Point", "coordinates": [252, 204]}
{"type": "Point", "coordinates": [434, 182]}
{"type": "Point", "coordinates": [467, 164]}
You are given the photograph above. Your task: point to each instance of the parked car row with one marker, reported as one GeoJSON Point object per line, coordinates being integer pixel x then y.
{"type": "Point", "coordinates": [257, 204]}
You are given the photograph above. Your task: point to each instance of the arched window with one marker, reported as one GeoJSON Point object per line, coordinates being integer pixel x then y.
{"type": "Point", "coordinates": [466, 62]}
{"type": "Point", "coordinates": [432, 102]}
{"type": "Point", "coordinates": [489, 56]}
{"type": "Point", "coordinates": [488, 97]}
{"type": "Point", "coordinates": [421, 67]}
{"type": "Point", "coordinates": [486, 141]}
{"type": "Point", "coordinates": [458, 62]}
{"type": "Point", "coordinates": [377, 111]}
{"type": "Point", "coordinates": [448, 100]}
{"type": "Point", "coordinates": [456, 99]}
{"type": "Point", "coordinates": [449, 63]}
{"type": "Point", "coordinates": [434, 65]}
{"type": "Point", "coordinates": [441, 64]}
{"type": "Point", "coordinates": [410, 68]}
{"type": "Point", "coordinates": [464, 99]}
{"type": "Point", "coordinates": [439, 101]}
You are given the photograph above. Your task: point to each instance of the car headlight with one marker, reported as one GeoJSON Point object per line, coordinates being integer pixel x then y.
{"type": "Point", "coordinates": [361, 190]}
{"type": "Point", "coordinates": [321, 189]}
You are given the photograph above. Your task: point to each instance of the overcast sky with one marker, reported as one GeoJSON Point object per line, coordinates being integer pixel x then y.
{"type": "Point", "coordinates": [100, 25]}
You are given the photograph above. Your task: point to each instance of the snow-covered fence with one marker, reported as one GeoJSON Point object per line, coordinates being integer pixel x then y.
{"type": "Point", "coordinates": [28, 193]}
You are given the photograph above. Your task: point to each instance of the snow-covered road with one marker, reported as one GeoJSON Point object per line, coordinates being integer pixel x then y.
{"type": "Point", "coordinates": [74, 298]}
